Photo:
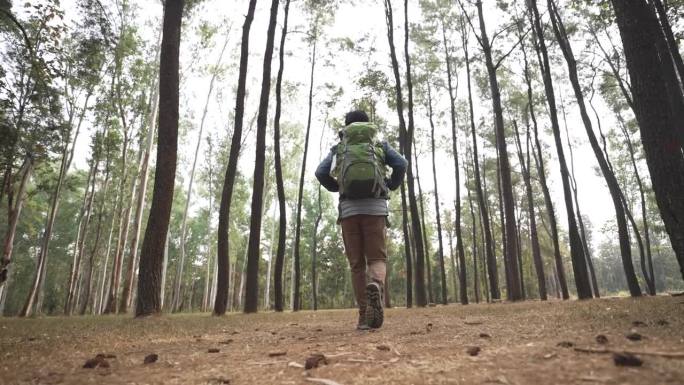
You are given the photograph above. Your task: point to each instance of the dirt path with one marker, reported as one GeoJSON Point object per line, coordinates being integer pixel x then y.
{"type": "Point", "coordinates": [519, 344]}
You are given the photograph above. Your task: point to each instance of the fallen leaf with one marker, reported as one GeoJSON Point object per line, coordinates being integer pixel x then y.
{"type": "Point", "coordinates": [428, 327]}
{"type": "Point", "coordinates": [601, 339]}
{"type": "Point", "coordinates": [315, 360]}
{"type": "Point", "coordinates": [293, 364]}
{"type": "Point", "coordinates": [634, 336]}
{"type": "Point", "coordinates": [319, 330]}
{"type": "Point", "coordinates": [626, 359]}
{"type": "Point", "coordinates": [473, 350]}
{"type": "Point", "coordinates": [485, 335]}
{"type": "Point", "coordinates": [226, 342]}
{"type": "Point", "coordinates": [550, 356]}
{"type": "Point", "coordinates": [662, 322]}
{"type": "Point", "coordinates": [213, 350]}
{"type": "Point", "coordinates": [276, 354]}
{"type": "Point", "coordinates": [383, 348]}
{"type": "Point", "coordinates": [151, 358]}
{"type": "Point", "coordinates": [565, 344]}
{"type": "Point", "coordinates": [394, 360]}
{"type": "Point", "coordinates": [638, 323]}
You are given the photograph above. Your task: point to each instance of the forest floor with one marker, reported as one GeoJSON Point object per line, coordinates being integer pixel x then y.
{"type": "Point", "coordinates": [520, 343]}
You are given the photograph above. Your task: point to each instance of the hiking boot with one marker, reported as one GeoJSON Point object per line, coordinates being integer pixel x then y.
{"type": "Point", "coordinates": [362, 325]}
{"type": "Point", "coordinates": [374, 313]}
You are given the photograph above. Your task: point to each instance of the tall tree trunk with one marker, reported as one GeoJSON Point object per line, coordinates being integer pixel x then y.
{"type": "Point", "coordinates": [282, 222]}
{"type": "Point", "coordinates": [143, 174]}
{"type": "Point", "coordinates": [81, 235]}
{"type": "Point", "coordinates": [489, 248]}
{"type": "Point", "coordinates": [269, 267]}
{"type": "Point", "coordinates": [534, 238]}
{"type": "Point", "coordinates": [541, 173]}
{"type": "Point", "coordinates": [417, 233]}
{"type": "Point", "coordinates": [437, 208]}
{"type": "Point", "coordinates": [647, 271]}
{"type": "Point", "coordinates": [231, 170]}
{"type": "Point", "coordinates": [15, 204]}
{"type": "Point", "coordinates": [426, 245]}
{"type": "Point", "coordinates": [579, 264]}
{"type": "Point", "coordinates": [389, 21]}
{"type": "Point", "coordinates": [504, 166]}
{"type": "Point", "coordinates": [298, 229]}
{"type": "Point", "coordinates": [611, 181]}
{"type": "Point", "coordinates": [165, 264]}
{"type": "Point", "coordinates": [152, 254]}
{"type": "Point", "coordinates": [476, 283]}
{"type": "Point", "coordinates": [658, 109]}
{"type": "Point", "coordinates": [179, 270]}
{"type": "Point", "coordinates": [580, 220]}
{"type": "Point", "coordinates": [254, 250]}
{"type": "Point", "coordinates": [457, 175]}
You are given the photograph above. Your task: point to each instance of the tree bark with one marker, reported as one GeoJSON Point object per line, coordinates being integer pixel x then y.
{"type": "Point", "coordinates": [254, 250]}
{"type": "Point", "coordinates": [658, 109]}
{"type": "Point", "coordinates": [609, 176]}
{"type": "Point", "coordinates": [457, 174]}
{"type": "Point", "coordinates": [421, 300]}
{"type": "Point", "coordinates": [576, 250]}
{"type": "Point", "coordinates": [504, 166]}
{"type": "Point", "coordinates": [152, 254]}
{"type": "Point", "coordinates": [489, 248]}
{"type": "Point", "coordinates": [14, 213]}
{"type": "Point", "coordinates": [282, 222]}
{"type": "Point", "coordinates": [647, 271]}
{"type": "Point", "coordinates": [534, 238]}
{"type": "Point", "coordinates": [231, 170]}
{"type": "Point", "coordinates": [402, 148]}
{"type": "Point", "coordinates": [437, 208]}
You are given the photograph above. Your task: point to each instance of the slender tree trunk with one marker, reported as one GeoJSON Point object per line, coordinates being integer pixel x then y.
{"type": "Point", "coordinates": [426, 245]}
{"type": "Point", "coordinates": [489, 248]}
{"type": "Point", "coordinates": [81, 236]}
{"type": "Point", "coordinates": [402, 148]}
{"type": "Point", "coordinates": [298, 229]}
{"type": "Point", "coordinates": [534, 238]}
{"type": "Point", "coordinates": [231, 171]}
{"type": "Point", "coordinates": [14, 213]}
{"type": "Point", "coordinates": [576, 250]}
{"type": "Point", "coordinates": [269, 268]}
{"type": "Point", "coordinates": [152, 254]}
{"type": "Point", "coordinates": [165, 264]}
{"type": "Point", "coordinates": [437, 208]}
{"type": "Point", "coordinates": [179, 270]}
{"type": "Point", "coordinates": [580, 220]}
{"type": "Point", "coordinates": [504, 166]}
{"type": "Point", "coordinates": [457, 174]}
{"type": "Point", "coordinates": [254, 249]}
{"type": "Point", "coordinates": [541, 173]}
{"type": "Point", "coordinates": [647, 271]}
{"type": "Point", "coordinates": [282, 225]}
{"type": "Point", "coordinates": [613, 186]}
{"type": "Point", "coordinates": [417, 233]}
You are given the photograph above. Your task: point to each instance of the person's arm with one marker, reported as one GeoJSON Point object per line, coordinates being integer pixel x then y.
{"type": "Point", "coordinates": [398, 165]}
{"type": "Point", "coordinates": [323, 173]}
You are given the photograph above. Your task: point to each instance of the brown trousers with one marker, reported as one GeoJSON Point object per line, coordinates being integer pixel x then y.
{"type": "Point", "coordinates": [364, 244]}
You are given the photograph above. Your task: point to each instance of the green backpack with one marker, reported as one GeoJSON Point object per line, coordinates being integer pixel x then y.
{"type": "Point", "coordinates": [360, 163]}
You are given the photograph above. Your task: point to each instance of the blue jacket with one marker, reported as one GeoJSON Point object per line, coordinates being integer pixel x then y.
{"type": "Point", "coordinates": [392, 159]}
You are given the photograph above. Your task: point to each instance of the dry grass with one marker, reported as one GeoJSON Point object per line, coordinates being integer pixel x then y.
{"type": "Point", "coordinates": [519, 345]}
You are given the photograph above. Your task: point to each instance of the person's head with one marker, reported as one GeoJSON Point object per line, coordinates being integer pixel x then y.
{"type": "Point", "coordinates": [354, 117]}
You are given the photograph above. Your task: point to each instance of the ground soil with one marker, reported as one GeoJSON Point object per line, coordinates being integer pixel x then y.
{"type": "Point", "coordinates": [521, 343]}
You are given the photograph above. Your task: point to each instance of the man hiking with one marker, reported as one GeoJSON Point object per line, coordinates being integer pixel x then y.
{"type": "Point", "coordinates": [356, 168]}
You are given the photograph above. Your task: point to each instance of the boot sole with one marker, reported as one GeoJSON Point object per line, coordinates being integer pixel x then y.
{"type": "Point", "coordinates": [374, 311]}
